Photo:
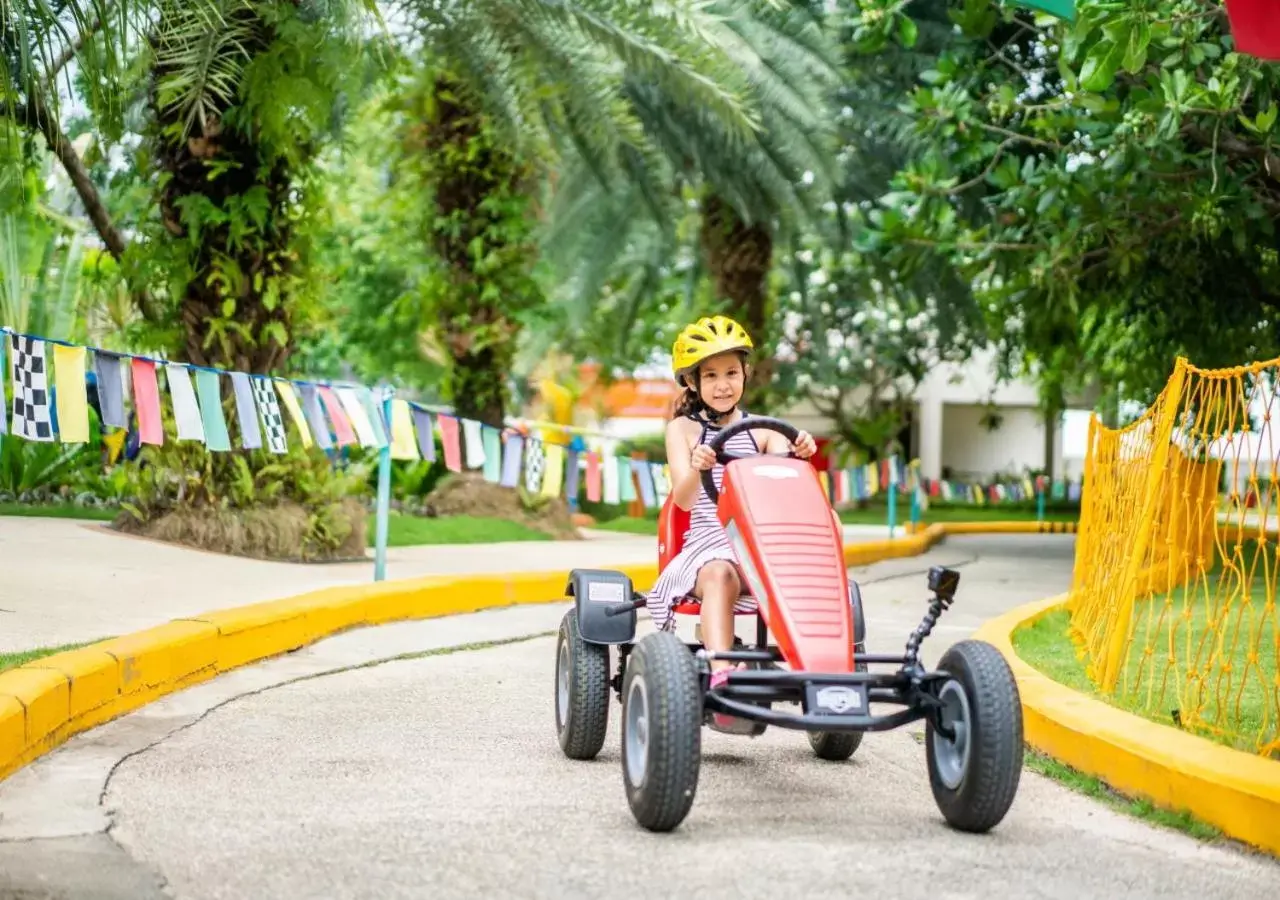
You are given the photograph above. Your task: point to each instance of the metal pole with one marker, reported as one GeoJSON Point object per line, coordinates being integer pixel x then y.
{"type": "Point", "coordinates": [893, 508]}
{"type": "Point", "coordinates": [384, 495]}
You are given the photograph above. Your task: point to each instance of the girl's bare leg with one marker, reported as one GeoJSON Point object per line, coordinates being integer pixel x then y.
{"type": "Point", "coordinates": [719, 587]}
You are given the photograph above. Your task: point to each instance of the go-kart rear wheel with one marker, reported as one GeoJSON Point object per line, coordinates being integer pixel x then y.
{"type": "Point", "coordinates": [661, 731]}
{"type": "Point", "coordinates": [582, 691]}
{"type": "Point", "coordinates": [975, 773]}
{"type": "Point", "coordinates": [837, 746]}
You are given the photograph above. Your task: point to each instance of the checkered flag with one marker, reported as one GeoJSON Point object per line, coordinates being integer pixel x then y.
{"type": "Point", "coordinates": [535, 466]}
{"type": "Point", "coordinates": [264, 395]}
{"type": "Point", "coordinates": [31, 414]}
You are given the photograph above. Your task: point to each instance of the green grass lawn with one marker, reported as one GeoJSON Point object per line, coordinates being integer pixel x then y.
{"type": "Point", "coordinates": [403, 531]}
{"type": "Point", "coordinates": [21, 658]}
{"type": "Point", "coordinates": [629, 525]}
{"type": "Point", "coordinates": [415, 531]}
{"type": "Point", "coordinates": [57, 511]}
{"type": "Point", "coordinates": [1237, 699]}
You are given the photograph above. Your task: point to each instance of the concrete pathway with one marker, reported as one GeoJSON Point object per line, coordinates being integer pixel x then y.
{"type": "Point", "coordinates": [439, 776]}
{"type": "Point", "coordinates": [64, 581]}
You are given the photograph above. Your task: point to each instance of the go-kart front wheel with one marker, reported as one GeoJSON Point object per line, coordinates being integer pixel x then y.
{"type": "Point", "coordinates": [974, 773]}
{"type": "Point", "coordinates": [661, 731]}
{"type": "Point", "coordinates": [582, 691]}
{"type": "Point", "coordinates": [838, 746]}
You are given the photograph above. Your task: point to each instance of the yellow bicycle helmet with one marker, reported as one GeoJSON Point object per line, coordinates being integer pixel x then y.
{"type": "Point", "coordinates": [704, 339]}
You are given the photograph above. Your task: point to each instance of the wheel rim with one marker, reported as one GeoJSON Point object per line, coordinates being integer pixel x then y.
{"type": "Point", "coordinates": [562, 684]}
{"type": "Point", "coordinates": [636, 723]}
{"type": "Point", "coordinates": [951, 757]}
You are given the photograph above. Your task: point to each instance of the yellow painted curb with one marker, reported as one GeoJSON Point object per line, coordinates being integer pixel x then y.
{"type": "Point", "coordinates": [49, 700]}
{"type": "Point", "coordinates": [1009, 527]}
{"type": "Point", "coordinates": [1236, 791]}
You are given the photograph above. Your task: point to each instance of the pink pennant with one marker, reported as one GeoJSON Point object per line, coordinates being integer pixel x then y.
{"type": "Point", "coordinates": [452, 445]}
{"type": "Point", "coordinates": [593, 477]}
{"type": "Point", "coordinates": [342, 429]}
{"type": "Point", "coordinates": [146, 401]}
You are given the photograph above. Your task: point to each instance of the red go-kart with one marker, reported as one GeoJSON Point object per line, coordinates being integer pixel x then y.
{"type": "Point", "coordinates": [789, 545]}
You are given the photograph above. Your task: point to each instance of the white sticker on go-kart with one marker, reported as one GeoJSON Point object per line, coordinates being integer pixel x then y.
{"type": "Point", "coordinates": [605, 592]}
{"type": "Point", "coordinates": [838, 698]}
{"type": "Point", "coordinates": [775, 472]}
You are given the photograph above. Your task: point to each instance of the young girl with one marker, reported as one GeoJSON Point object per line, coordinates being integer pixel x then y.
{"type": "Point", "coordinates": [710, 362]}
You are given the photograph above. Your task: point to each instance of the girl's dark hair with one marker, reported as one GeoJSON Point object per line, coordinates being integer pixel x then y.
{"type": "Point", "coordinates": [690, 402]}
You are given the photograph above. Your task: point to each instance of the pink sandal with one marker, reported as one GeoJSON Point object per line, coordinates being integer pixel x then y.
{"type": "Point", "coordinates": [723, 721]}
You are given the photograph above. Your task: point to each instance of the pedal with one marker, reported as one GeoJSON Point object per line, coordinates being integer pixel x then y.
{"type": "Point", "coordinates": [743, 727]}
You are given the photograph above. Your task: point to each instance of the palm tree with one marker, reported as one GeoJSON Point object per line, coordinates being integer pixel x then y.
{"type": "Point", "coordinates": [750, 194]}
{"type": "Point", "coordinates": [240, 94]}
{"type": "Point", "coordinates": [236, 96]}
{"type": "Point", "coordinates": [505, 87]}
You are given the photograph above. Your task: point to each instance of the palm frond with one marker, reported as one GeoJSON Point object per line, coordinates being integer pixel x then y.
{"type": "Point", "coordinates": [201, 51]}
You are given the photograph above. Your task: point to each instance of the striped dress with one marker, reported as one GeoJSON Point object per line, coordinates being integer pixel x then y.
{"type": "Point", "coordinates": [704, 542]}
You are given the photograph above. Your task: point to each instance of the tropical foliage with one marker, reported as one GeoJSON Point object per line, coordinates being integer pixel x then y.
{"type": "Point", "coordinates": [1109, 186]}
{"type": "Point", "coordinates": [441, 193]}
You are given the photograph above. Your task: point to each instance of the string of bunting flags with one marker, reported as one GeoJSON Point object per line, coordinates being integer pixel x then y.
{"type": "Point", "coordinates": [51, 382]}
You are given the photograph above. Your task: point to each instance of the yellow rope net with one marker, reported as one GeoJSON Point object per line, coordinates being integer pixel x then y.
{"type": "Point", "coordinates": [1173, 604]}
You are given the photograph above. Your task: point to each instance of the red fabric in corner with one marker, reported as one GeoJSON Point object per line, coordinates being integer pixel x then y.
{"type": "Point", "coordinates": [1255, 27]}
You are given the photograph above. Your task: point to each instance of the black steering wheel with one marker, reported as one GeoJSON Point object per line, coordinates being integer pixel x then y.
{"type": "Point", "coordinates": [744, 424]}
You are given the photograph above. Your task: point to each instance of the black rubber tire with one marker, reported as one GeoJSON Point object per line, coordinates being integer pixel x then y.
{"type": "Point", "coordinates": [989, 781]}
{"type": "Point", "coordinates": [673, 706]}
{"type": "Point", "coordinates": [838, 746]}
{"type": "Point", "coordinates": [582, 735]}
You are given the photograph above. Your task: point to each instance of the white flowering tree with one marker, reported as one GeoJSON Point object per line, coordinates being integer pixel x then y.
{"type": "Point", "coordinates": [857, 343]}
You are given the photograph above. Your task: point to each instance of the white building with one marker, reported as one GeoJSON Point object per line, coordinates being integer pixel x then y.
{"type": "Point", "coordinates": [967, 425]}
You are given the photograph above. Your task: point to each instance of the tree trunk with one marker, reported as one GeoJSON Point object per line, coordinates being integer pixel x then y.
{"type": "Point", "coordinates": [479, 225]}
{"type": "Point", "coordinates": [226, 205]}
{"type": "Point", "coordinates": [739, 257]}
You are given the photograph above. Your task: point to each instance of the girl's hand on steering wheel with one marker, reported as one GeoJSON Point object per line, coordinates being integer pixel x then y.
{"type": "Point", "coordinates": [805, 446]}
{"type": "Point", "coordinates": [703, 458]}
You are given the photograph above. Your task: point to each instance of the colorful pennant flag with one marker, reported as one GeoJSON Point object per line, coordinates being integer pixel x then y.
{"type": "Point", "coordinates": [426, 433]}
{"type": "Point", "coordinates": [264, 395]}
{"type": "Point", "coordinates": [186, 411]}
{"type": "Point", "coordinates": [31, 413]}
{"type": "Point", "coordinates": [511, 460]}
{"type": "Point", "coordinates": [404, 445]}
{"type": "Point", "coordinates": [290, 398]}
{"type": "Point", "coordinates": [209, 393]}
{"type": "Point", "coordinates": [450, 440]}
{"type": "Point", "coordinates": [492, 440]}
{"type": "Point", "coordinates": [73, 397]}
{"type": "Point", "coordinates": [4, 414]}
{"type": "Point", "coordinates": [246, 411]}
{"type": "Point", "coordinates": [342, 429]}
{"type": "Point", "coordinates": [146, 402]}
{"type": "Point", "coordinates": [314, 411]}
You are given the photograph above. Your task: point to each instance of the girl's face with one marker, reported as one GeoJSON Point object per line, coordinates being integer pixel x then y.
{"type": "Point", "coordinates": [720, 381]}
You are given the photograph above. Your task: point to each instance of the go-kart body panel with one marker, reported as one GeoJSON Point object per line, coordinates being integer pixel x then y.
{"type": "Point", "coordinates": [791, 551]}
{"type": "Point", "coordinates": [673, 522]}
{"type": "Point", "coordinates": [598, 594]}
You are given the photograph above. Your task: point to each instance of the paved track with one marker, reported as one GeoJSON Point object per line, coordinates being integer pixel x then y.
{"type": "Point", "coordinates": [441, 777]}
